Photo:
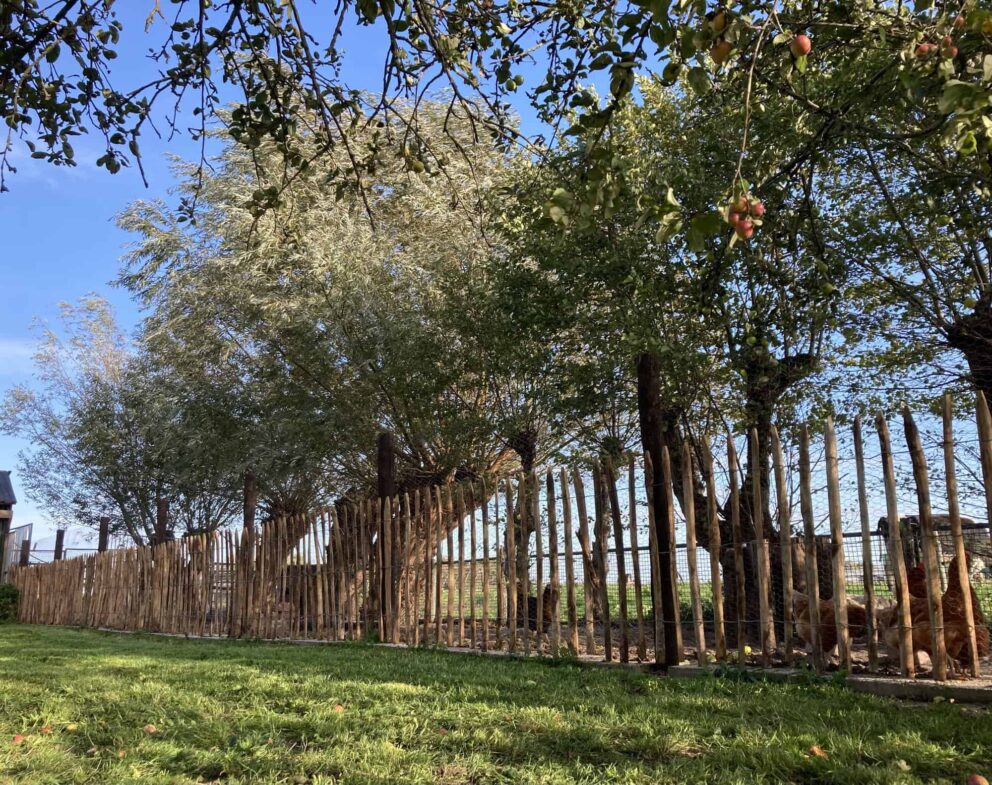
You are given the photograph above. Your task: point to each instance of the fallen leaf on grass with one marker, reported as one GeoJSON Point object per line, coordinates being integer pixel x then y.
{"type": "Point", "coordinates": [150, 729]}
{"type": "Point", "coordinates": [338, 708]}
{"type": "Point", "coordinates": [18, 739]}
{"type": "Point", "coordinates": [817, 751]}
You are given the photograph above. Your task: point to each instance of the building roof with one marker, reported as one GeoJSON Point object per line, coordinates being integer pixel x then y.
{"type": "Point", "coordinates": [6, 489]}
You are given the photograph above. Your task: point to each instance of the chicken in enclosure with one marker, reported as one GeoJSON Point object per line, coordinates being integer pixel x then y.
{"type": "Point", "coordinates": [916, 581]}
{"type": "Point", "coordinates": [955, 626]}
{"type": "Point", "coordinates": [857, 621]}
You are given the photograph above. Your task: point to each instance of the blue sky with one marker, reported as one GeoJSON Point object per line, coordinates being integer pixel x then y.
{"type": "Point", "coordinates": [60, 241]}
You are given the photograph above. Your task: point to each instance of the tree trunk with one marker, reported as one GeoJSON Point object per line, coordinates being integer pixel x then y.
{"type": "Point", "coordinates": [652, 440]}
{"type": "Point", "coordinates": [971, 335]}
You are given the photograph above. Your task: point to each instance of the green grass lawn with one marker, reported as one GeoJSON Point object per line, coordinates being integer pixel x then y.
{"type": "Point", "coordinates": [232, 712]}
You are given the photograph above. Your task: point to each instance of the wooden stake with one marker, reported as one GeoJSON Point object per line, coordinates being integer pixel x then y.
{"type": "Point", "coordinates": [485, 566]}
{"type": "Point", "coordinates": [837, 546]}
{"type": "Point", "coordinates": [653, 550]}
{"type": "Point", "coordinates": [868, 571]}
{"type": "Point", "coordinates": [511, 558]}
{"type": "Point", "coordinates": [587, 559]}
{"type": "Point", "coordinates": [599, 499]}
{"type": "Point", "coordinates": [635, 559]}
{"type": "Point", "coordinates": [689, 493]}
{"type": "Point", "coordinates": [931, 563]}
{"type": "Point", "coordinates": [611, 486]}
{"type": "Point", "coordinates": [785, 542]}
{"type": "Point", "coordinates": [957, 535]}
{"type": "Point", "coordinates": [896, 559]}
{"type": "Point", "coordinates": [553, 552]}
{"type": "Point", "coordinates": [573, 624]}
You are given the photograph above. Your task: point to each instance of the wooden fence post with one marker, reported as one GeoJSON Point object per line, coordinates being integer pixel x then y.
{"type": "Point", "coordinates": [553, 554]}
{"type": "Point", "coordinates": [837, 546]}
{"type": "Point", "coordinates": [896, 558]}
{"type": "Point", "coordinates": [670, 574]}
{"type": "Point", "coordinates": [713, 522]}
{"type": "Point", "coordinates": [765, 621]}
{"type": "Point", "coordinates": [485, 566]}
{"type": "Point", "coordinates": [573, 623]}
{"type": "Point", "coordinates": [735, 527]}
{"type": "Point", "coordinates": [985, 452]}
{"type": "Point", "coordinates": [689, 511]}
{"type": "Point", "coordinates": [931, 563]}
{"type": "Point", "coordinates": [867, 568]}
{"type": "Point", "coordinates": [635, 559]}
{"type": "Point", "coordinates": [809, 542]}
{"type": "Point", "coordinates": [785, 542]}
{"type": "Point", "coordinates": [587, 559]}
{"type": "Point", "coordinates": [954, 513]}
{"type": "Point", "coordinates": [611, 487]}
{"type": "Point", "coordinates": [599, 526]}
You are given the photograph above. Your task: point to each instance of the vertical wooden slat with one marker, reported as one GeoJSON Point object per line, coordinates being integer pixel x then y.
{"type": "Point", "coordinates": [511, 560]}
{"type": "Point", "coordinates": [809, 542]}
{"type": "Point", "coordinates": [614, 497]}
{"type": "Point", "coordinates": [553, 556]}
{"type": "Point", "coordinates": [449, 510]}
{"type": "Point", "coordinates": [785, 541]}
{"type": "Point", "coordinates": [837, 546]}
{"type": "Point", "coordinates": [573, 623]}
{"type": "Point", "coordinates": [501, 604]}
{"type": "Point", "coordinates": [409, 574]}
{"type": "Point", "coordinates": [669, 490]}
{"type": "Point", "coordinates": [867, 568]}
{"type": "Point", "coordinates": [931, 563]}
{"type": "Point", "coordinates": [957, 535]}
{"type": "Point", "coordinates": [635, 559]}
{"type": "Point", "coordinates": [896, 559]}
{"type": "Point", "coordinates": [539, 561]}
{"type": "Point", "coordinates": [484, 493]}
{"type": "Point", "coordinates": [587, 559]}
{"type": "Point", "coordinates": [427, 519]}
{"type": "Point", "coordinates": [439, 521]}
{"type": "Point", "coordinates": [460, 523]}
{"type": "Point", "coordinates": [473, 554]}
{"type": "Point", "coordinates": [689, 511]}
{"type": "Point", "coordinates": [653, 550]}
{"type": "Point", "coordinates": [602, 541]}
{"type": "Point", "coordinates": [523, 549]}
{"type": "Point", "coordinates": [761, 547]}
{"type": "Point", "coordinates": [735, 527]}
{"type": "Point", "coordinates": [984, 417]}
{"type": "Point", "coordinates": [715, 550]}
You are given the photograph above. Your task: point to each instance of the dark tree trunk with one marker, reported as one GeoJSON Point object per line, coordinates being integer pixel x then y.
{"type": "Point", "coordinates": [649, 410]}
{"type": "Point", "coordinates": [386, 489]}
{"type": "Point", "coordinates": [971, 335]}
{"type": "Point", "coordinates": [161, 522]}
{"type": "Point", "coordinates": [250, 499]}
{"type": "Point", "coordinates": [524, 443]}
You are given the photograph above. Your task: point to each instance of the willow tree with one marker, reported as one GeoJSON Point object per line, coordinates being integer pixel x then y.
{"type": "Point", "coordinates": [110, 435]}
{"type": "Point", "coordinates": [343, 320]}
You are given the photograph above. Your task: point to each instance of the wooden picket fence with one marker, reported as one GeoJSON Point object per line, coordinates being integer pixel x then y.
{"type": "Point", "coordinates": [448, 566]}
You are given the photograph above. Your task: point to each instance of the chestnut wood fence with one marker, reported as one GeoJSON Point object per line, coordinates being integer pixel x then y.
{"type": "Point", "coordinates": [575, 561]}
